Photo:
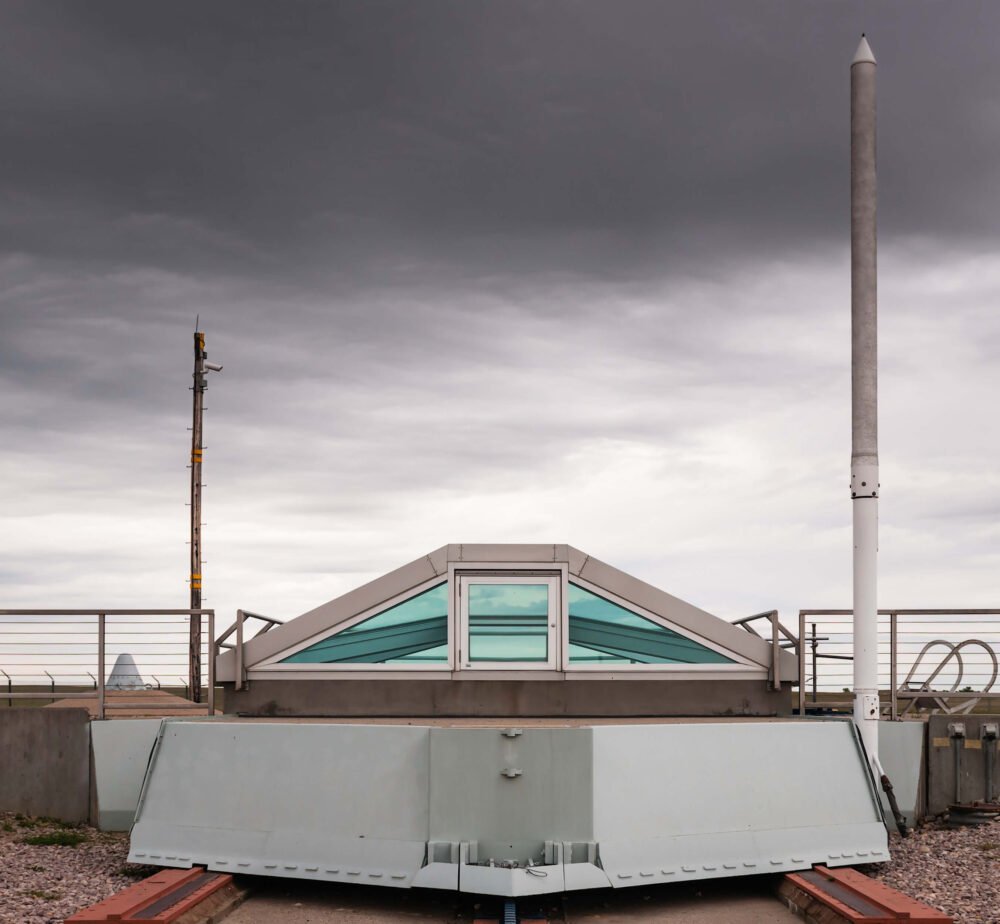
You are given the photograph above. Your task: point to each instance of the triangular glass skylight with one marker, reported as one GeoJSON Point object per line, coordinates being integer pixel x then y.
{"type": "Point", "coordinates": [602, 632]}
{"type": "Point", "coordinates": [412, 632]}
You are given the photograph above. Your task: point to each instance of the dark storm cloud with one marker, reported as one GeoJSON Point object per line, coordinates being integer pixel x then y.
{"type": "Point", "coordinates": [400, 140]}
{"type": "Point", "coordinates": [499, 271]}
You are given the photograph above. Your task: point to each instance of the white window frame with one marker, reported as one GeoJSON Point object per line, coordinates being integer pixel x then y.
{"type": "Point", "coordinates": [555, 580]}
{"type": "Point", "coordinates": [739, 662]}
{"type": "Point", "coordinates": [274, 663]}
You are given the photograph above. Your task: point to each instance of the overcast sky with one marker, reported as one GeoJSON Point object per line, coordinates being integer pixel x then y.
{"type": "Point", "coordinates": [514, 272]}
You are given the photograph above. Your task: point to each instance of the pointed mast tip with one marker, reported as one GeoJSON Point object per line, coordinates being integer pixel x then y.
{"type": "Point", "coordinates": [864, 53]}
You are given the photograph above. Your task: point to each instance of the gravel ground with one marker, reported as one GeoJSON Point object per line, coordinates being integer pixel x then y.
{"type": "Point", "coordinates": [956, 870]}
{"type": "Point", "coordinates": [45, 884]}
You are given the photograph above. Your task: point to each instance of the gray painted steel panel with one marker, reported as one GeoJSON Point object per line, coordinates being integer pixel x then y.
{"type": "Point", "coordinates": [121, 753]}
{"type": "Point", "coordinates": [588, 805]}
{"type": "Point", "coordinates": [472, 800]}
{"type": "Point", "coordinates": [717, 799]}
{"type": "Point", "coordinates": [343, 803]}
{"type": "Point", "coordinates": [901, 754]}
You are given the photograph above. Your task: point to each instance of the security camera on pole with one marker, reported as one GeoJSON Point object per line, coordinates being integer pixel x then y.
{"type": "Point", "coordinates": [201, 367]}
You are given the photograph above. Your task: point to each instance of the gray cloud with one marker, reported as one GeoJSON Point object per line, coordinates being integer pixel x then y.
{"type": "Point", "coordinates": [511, 271]}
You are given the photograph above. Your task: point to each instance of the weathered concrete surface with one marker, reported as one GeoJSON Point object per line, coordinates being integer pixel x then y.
{"type": "Point", "coordinates": [740, 902]}
{"type": "Point", "coordinates": [45, 762]}
{"type": "Point", "coordinates": [513, 698]}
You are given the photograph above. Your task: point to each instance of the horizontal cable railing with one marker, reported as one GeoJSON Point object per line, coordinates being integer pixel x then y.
{"type": "Point", "coordinates": [55, 654]}
{"type": "Point", "coordinates": [940, 659]}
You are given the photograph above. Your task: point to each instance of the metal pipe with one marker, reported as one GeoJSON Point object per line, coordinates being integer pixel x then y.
{"type": "Point", "coordinates": [211, 663]}
{"type": "Point", "coordinates": [10, 700]}
{"type": "Point", "coordinates": [894, 665]}
{"type": "Point", "coordinates": [990, 751]}
{"type": "Point", "coordinates": [802, 666]}
{"type": "Point", "coordinates": [956, 745]}
{"type": "Point", "coordinates": [864, 395]}
{"type": "Point", "coordinates": [775, 652]}
{"type": "Point", "coordinates": [239, 651]}
{"type": "Point", "coordinates": [815, 645]}
{"type": "Point", "coordinates": [100, 666]}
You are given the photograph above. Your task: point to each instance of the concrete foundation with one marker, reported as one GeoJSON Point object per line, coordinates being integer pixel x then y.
{"type": "Point", "coordinates": [45, 763]}
{"type": "Point", "coordinates": [510, 698]}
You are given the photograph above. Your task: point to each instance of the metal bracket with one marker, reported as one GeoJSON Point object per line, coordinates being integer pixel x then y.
{"type": "Point", "coordinates": [956, 729]}
{"type": "Point", "coordinates": [512, 732]}
{"type": "Point", "coordinates": [870, 705]}
{"type": "Point", "coordinates": [864, 481]}
{"type": "Point", "coordinates": [510, 772]}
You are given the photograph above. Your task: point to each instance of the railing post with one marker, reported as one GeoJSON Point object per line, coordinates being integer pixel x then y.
{"type": "Point", "coordinates": [239, 651]}
{"type": "Point", "coordinates": [814, 646]}
{"type": "Point", "coordinates": [893, 664]}
{"type": "Point", "coordinates": [100, 666]}
{"type": "Point", "coordinates": [775, 651]}
{"type": "Point", "coordinates": [802, 665]}
{"type": "Point", "coordinates": [211, 662]}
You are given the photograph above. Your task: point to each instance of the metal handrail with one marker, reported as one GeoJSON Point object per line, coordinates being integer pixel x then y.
{"type": "Point", "coordinates": [900, 691]}
{"type": "Point", "coordinates": [101, 615]}
{"type": "Point", "coordinates": [777, 630]}
{"type": "Point", "coordinates": [241, 616]}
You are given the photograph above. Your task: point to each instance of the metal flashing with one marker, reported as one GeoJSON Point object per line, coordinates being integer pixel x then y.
{"type": "Point", "coordinates": [262, 653]}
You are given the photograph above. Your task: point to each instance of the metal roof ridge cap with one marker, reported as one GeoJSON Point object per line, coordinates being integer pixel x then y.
{"type": "Point", "coordinates": [704, 623]}
{"type": "Point", "coordinates": [294, 631]}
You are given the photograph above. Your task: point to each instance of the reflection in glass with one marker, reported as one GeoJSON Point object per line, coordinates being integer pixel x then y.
{"type": "Point", "coordinates": [602, 632]}
{"type": "Point", "coordinates": [508, 622]}
{"type": "Point", "coordinates": [412, 632]}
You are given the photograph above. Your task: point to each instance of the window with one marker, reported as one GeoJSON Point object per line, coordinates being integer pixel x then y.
{"type": "Point", "coordinates": [503, 621]}
{"type": "Point", "coordinates": [412, 632]}
{"type": "Point", "coordinates": [602, 632]}
{"type": "Point", "coordinates": [509, 622]}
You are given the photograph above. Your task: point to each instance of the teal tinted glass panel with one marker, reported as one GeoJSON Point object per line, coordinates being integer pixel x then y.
{"type": "Point", "coordinates": [508, 622]}
{"type": "Point", "coordinates": [412, 632]}
{"type": "Point", "coordinates": [602, 632]}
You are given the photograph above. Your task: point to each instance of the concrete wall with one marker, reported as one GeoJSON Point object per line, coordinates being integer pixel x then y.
{"type": "Point", "coordinates": [513, 698]}
{"type": "Point", "coordinates": [975, 758]}
{"type": "Point", "coordinates": [45, 762]}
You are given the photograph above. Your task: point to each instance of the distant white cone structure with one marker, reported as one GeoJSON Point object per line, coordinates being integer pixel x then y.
{"type": "Point", "coordinates": [125, 675]}
{"type": "Point", "coordinates": [864, 396]}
